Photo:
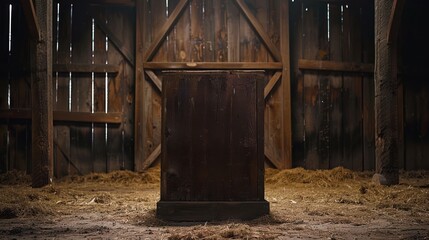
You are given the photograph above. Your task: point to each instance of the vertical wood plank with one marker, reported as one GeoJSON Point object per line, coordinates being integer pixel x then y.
{"type": "Point", "coordinates": [286, 87]}
{"type": "Point", "coordinates": [221, 31]}
{"type": "Point", "coordinates": [297, 84]}
{"type": "Point", "coordinates": [182, 29]}
{"type": "Point", "coordinates": [99, 148]}
{"type": "Point", "coordinates": [352, 108]}
{"type": "Point", "coordinates": [368, 88]}
{"type": "Point", "coordinates": [264, 13]}
{"type": "Point", "coordinates": [62, 155]}
{"type": "Point", "coordinates": [336, 86]}
{"type": "Point", "coordinates": [311, 85]}
{"type": "Point", "coordinates": [246, 37]}
{"type": "Point", "coordinates": [208, 31]}
{"type": "Point", "coordinates": [197, 34]}
{"type": "Point", "coordinates": [20, 90]}
{"type": "Point", "coordinates": [81, 136]}
{"type": "Point", "coordinates": [139, 85]}
{"type": "Point", "coordinates": [42, 114]}
{"type": "Point", "coordinates": [158, 14]}
{"type": "Point", "coordinates": [171, 40]}
{"type": "Point", "coordinates": [115, 153]}
{"type": "Point", "coordinates": [4, 81]}
{"type": "Point", "coordinates": [233, 33]}
{"type": "Point", "coordinates": [128, 81]}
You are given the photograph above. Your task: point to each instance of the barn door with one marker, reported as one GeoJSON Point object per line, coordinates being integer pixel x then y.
{"type": "Point", "coordinates": [93, 86]}
{"type": "Point", "coordinates": [198, 35]}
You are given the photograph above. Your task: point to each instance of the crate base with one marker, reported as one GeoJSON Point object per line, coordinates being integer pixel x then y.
{"type": "Point", "coordinates": [196, 211]}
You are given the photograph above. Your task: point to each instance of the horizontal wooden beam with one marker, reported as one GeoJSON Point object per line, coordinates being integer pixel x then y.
{"type": "Point", "coordinates": [83, 117]}
{"type": "Point", "coordinates": [335, 66]}
{"type": "Point", "coordinates": [86, 68]}
{"type": "Point", "coordinates": [62, 116]}
{"type": "Point", "coordinates": [213, 65]}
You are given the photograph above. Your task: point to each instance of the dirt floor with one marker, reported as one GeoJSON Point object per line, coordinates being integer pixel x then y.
{"type": "Point", "coordinates": [334, 204]}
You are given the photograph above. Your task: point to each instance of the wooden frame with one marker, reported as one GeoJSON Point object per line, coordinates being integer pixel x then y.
{"type": "Point", "coordinates": [144, 67]}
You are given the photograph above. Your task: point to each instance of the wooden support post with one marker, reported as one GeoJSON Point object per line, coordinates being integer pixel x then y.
{"type": "Point", "coordinates": [139, 83]}
{"type": "Point", "coordinates": [286, 101]}
{"type": "Point", "coordinates": [386, 111]}
{"type": "Point", "coordinates": [41, 91]}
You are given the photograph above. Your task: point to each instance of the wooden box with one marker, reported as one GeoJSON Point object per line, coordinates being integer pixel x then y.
{"type": "Point", "coordinates": [212, 147]}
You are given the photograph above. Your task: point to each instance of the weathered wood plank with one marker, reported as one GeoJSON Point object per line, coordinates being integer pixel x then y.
{"type": "Point", "coordinates": [158, 14]}
{"type": "Point", "coordinates": [139, 114]}
{"type": "Point", "coordinates": [197, 34]}
{"type": "Point", "coordinates": [30, 16]}
{"type": "Point", "coordinates": [116, 94]}
{"type": "Point", "coordinates": [335, 66]}
{"type": "Point", "coordinates": [368, 89]}
{"type": "Point", "coordinates": [81, 135]}
{"type": "Point", "coordinates": [286, 87]}
{"type": "Point", "coordinates": [336, 89]}
{"type": "Point", "coordinates": [311, 85]}
{"type": "Point", "coordinates": [259, 29]}
{"type": "Point", "coordinates": [65, 116]}
{"type": "Point", "coordinates": [62, 133]}
{"type": "Point", "coordinates": [20, 91]}
{"type": "Point", "coordinates": [42, 106]}
{"type": "Point", "coordinates": [208, 31]}
{"type": "Point", "coordinates": [152, 158]}
{"type": "Point", "coordinates": [297, 84]}
{"type": "Point", "coordinates": [270, 85]}
{"type": "Point", "coordinates": [155, 80]}
{"type": "Point", "coordinates": [163, 31]}
{"type": "Point", "coordinates": [233, 32]}
{"type": "Point", "coordinates": [113, 38]}
{"type": "Point", "coordinates": [85, 68]}
{"type": "Point", "coordinates": [4, 82]}
{"type": "Point", "coordinates": [99, 147]}
{"type": "Point", "coordinates": [352, 97]}
{"type": "Point", "coordinates": [213, 66]}
{"type": "Point", "coordinates": [220, 42]}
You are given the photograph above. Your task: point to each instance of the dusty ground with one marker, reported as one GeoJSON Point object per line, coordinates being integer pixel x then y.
{"type": "Point", "coordinates": [335, 204]}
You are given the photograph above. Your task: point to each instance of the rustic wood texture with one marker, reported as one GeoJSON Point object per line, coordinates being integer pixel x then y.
{"type": "Point", "coordinates": [41, 92]}
{"type": "Point", "coordinates": [332, 74]}
{"type": "Point", "coordinates": [212, 147]}
{"type": "Point", "coordinates": [4, 82]}
{"type": "Point", "coordinates": [20, 92]}
{"type": "Point", "coordinates": [81, 135]}
{"type": "Point", "coordinates": [413, 56]}
{"type": "Point", "coordinates": [62, 157]}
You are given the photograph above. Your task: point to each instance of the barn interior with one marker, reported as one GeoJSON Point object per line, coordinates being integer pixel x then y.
{"type": "Point", "coordinates": [336, 91]}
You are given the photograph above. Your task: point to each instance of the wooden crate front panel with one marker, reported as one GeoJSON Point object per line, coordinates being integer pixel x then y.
{"type": "Point", "coordinates": [212, 139]}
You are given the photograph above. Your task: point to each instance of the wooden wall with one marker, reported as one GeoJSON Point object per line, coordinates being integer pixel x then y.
{"type": "Point", "coordinates": [15, 81]}
{"type": "Point", "coordinates": [95, 101]}
{"type": "Point", "coordinates": [98, 36]}
{"type": "Point", "coordinates": [333, 116]}
{"type": "Point", "coordinates": [413, 54]}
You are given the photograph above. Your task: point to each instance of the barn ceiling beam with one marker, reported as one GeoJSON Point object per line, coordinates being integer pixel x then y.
{"type": "Point", "coordinates": [165, 29]}
{"type": "Point", "coordinates": [30, 16]}
{"type": "Point", "coordinates": [213, 65]}
{"type": "Point", "coordinates": [395, 19]}
{"type": "Point", "coordinates": [255, 24]}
